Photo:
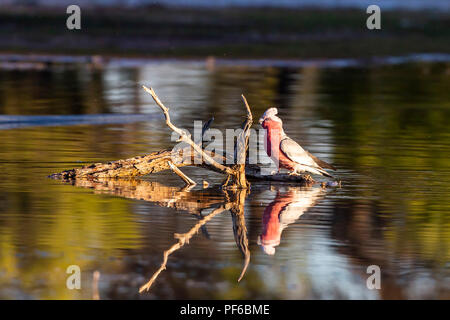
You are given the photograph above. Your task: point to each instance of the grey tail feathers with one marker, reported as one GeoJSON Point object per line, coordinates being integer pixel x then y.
{"type": "Point", "coordinates": [326, 174]}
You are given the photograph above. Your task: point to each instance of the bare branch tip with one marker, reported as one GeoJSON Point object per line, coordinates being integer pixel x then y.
{"type": "Point", "coordinates": [149, 90]}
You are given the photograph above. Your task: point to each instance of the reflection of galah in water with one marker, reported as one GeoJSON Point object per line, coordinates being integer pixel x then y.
{"type": "Point", "coordinates": [286, 152]}
{"type": "Point", "coordinates": [284, 210]}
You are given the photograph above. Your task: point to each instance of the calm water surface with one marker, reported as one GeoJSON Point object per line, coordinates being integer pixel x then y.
{"type": "Point", "coordinates": [386, 128]}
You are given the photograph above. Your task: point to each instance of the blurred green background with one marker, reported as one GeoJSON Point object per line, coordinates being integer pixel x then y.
{"type": "Point", "coordinates": [232, 29]}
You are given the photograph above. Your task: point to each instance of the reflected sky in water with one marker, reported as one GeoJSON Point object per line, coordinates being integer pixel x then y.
{"type": "Point", "coordinates": [385, 127]}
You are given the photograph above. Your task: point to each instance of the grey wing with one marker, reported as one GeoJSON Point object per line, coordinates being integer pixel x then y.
{"type": "Point", "coordinates": [302, 201]}
{"type": "Point", "coordinates": [296, 153]}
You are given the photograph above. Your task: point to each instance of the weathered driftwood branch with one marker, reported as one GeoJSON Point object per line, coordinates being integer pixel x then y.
{"type": "Point", "coordinates": [239, 179]}
{"type": "Point", "coordinates": [237, 174]}
{"type": "Point", "coordinates": [185, 138]}
{"type": "Point", "coordinates": [127, 168]}
{"type": "Point", "coordinates": [180, 173]}
{"type": "Point", "coordinates": [236, 178]}
{"type": "Point", "coordinates": [182, 240]}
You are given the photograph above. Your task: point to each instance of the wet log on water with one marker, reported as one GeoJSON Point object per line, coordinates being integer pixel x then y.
{"type": "Point", "coordinates": [126, 168]}
{"type": "Point", "coordinates": [159, 161]}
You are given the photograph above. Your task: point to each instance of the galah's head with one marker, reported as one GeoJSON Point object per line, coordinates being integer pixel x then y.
{"type": "Point", "coordinates": [270, 115]}
{"type": "Point", "coordinates": [270, 250]}
{"type": "Point", "coordinates": [268, 246]}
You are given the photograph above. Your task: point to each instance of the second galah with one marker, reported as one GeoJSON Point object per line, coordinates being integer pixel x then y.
{"type": "Point", "coordinates": [286, 152]}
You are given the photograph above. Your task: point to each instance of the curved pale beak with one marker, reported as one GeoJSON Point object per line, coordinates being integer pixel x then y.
{"type": "Point", "coordinates": [261, 120]}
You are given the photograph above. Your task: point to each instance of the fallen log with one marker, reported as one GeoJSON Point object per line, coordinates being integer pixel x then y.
{"type": "Point", "coordinates": [157, 162]}
{"type": "Point", "coordinates": [128, 168]}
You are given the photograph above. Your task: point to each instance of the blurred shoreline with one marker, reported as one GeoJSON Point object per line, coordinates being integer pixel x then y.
{"type": "Point", "coordinates": [231, 32]}
{"type": "Point", "coordinates": [324, 4]}
{"type": "Point", "coordinates": [45, 61]}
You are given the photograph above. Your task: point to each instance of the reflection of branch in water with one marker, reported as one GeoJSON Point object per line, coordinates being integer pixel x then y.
{"type": "Point", "coordinates": [240, 229]}
{"type": "Point", "coordinates": [95, 279]}
{"type": "Point", "coordinates": [182, 240]}
{"type": "Point", "coordinates": [171, 197]}
{"type": "Point", "coordinates": [240, 236]}
{"type": "Point", "coordinates": [203, 228]}
{"type": "Point", "coordinates": [194, 202]}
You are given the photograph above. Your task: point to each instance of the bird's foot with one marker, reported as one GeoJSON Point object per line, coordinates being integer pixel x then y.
{"type": "Point", "coordinates": [331, 184]}
{"type": "Point", "coordinates": [293, 173]}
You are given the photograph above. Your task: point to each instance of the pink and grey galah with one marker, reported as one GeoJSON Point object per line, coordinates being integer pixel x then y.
{"type": "Point", "coordinates": [286, 152]}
